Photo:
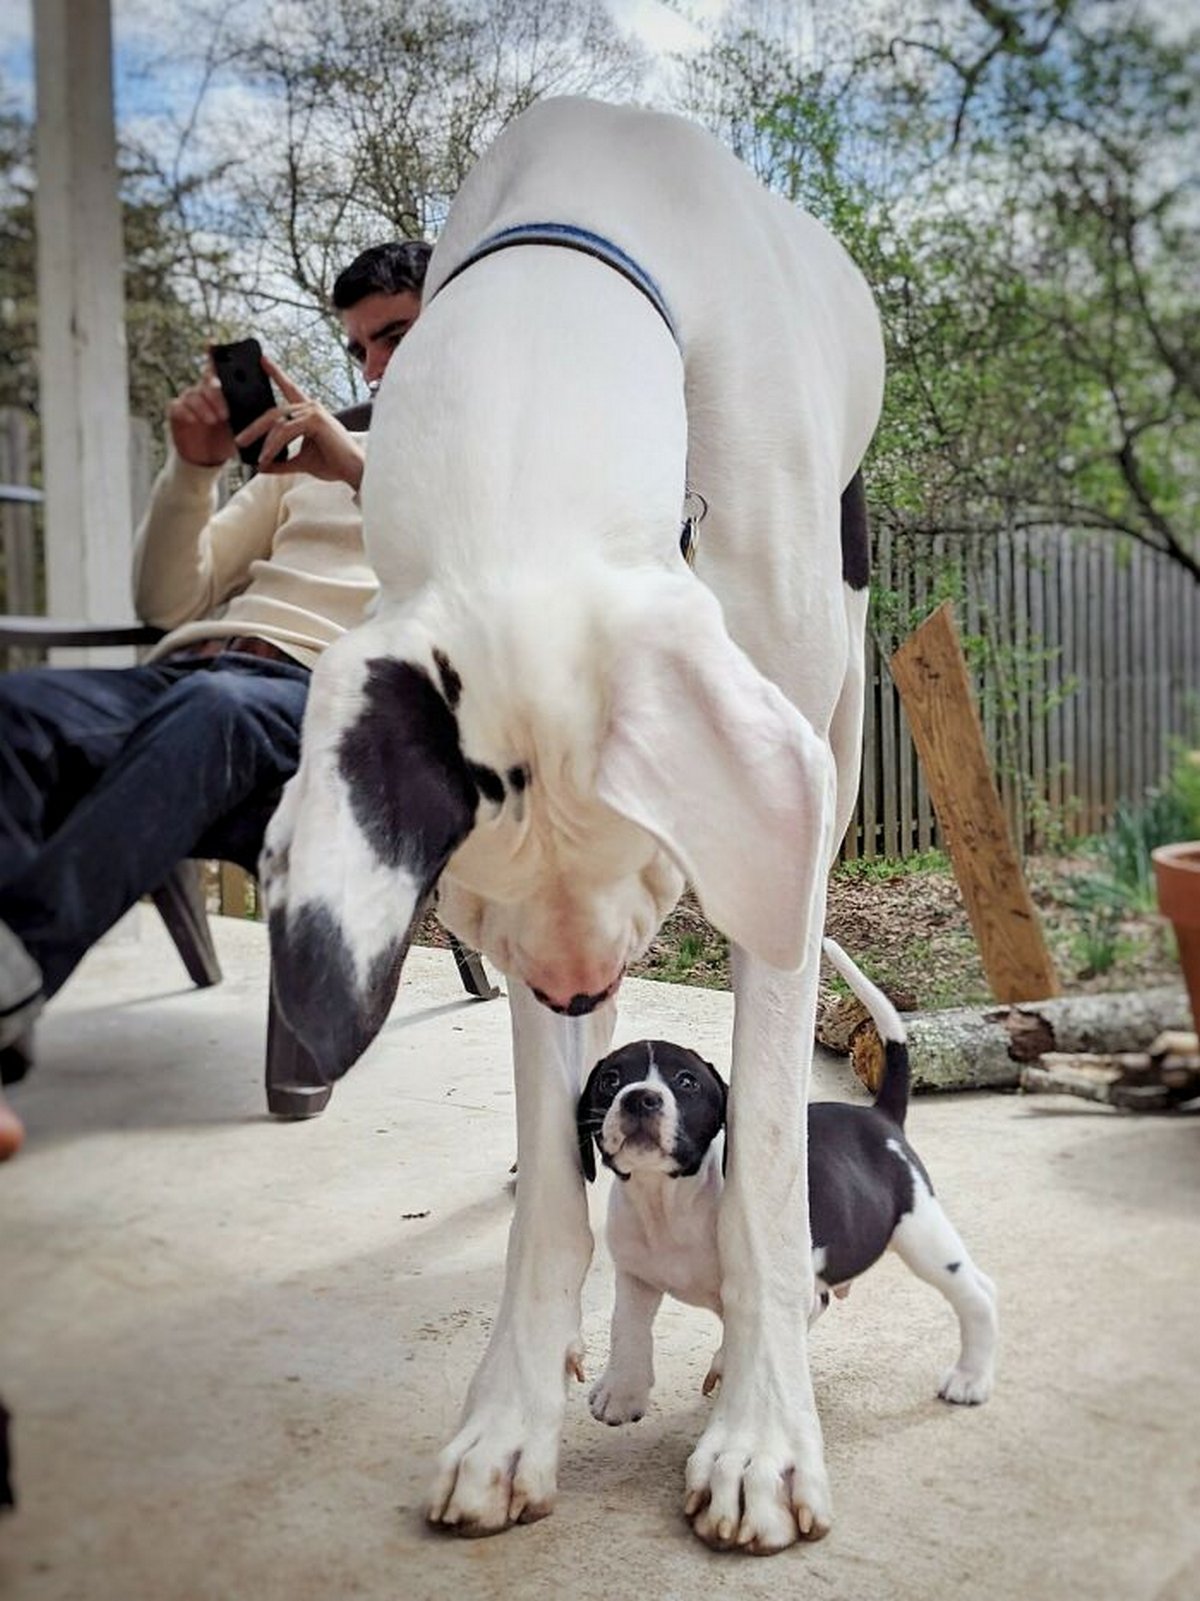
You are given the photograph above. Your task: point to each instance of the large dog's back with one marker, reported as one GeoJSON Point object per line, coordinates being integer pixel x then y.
{"type": "Point", "coordinates": [779, 335]}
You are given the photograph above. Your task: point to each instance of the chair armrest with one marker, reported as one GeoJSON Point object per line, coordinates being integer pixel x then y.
{"type": "Point", "coordinates": [48, 632]}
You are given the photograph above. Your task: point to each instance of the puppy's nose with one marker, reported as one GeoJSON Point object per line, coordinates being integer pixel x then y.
{"type": "Point", "coordinates": [643, 1103]}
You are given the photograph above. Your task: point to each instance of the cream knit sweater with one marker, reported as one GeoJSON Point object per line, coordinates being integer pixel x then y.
{"type": "Point", "coordinates": [283, 559]}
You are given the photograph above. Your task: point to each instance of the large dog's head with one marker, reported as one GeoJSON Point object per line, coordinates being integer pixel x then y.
{"type": "Point", "coordinates": [650, 1107]}
{"type": "Point", "coordinates": [561, 765]}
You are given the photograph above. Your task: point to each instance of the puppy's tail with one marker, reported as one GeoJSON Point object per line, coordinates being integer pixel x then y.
{"type": "Point", "coordinates": [892, 1095]}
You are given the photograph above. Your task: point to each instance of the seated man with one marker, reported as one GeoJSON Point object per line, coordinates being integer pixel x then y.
{"type": "Point", "coordinates": [110, 777]}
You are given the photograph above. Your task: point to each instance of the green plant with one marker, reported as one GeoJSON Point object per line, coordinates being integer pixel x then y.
{"type": "Point", "coordinates": [1055, 828]}
{"type": "Point", "coordinates": [694, 956]}
{"type": "Point", "coordinates": [874, 869]}
{"type": "Point", "coordinates": [1184, 785]}
{"type": "Point", "coordinates": [1163, 817]}
{"type": "Point", "coordinates": [691, 949]}
{"type": "Point", "coordinates": [1101, 903]}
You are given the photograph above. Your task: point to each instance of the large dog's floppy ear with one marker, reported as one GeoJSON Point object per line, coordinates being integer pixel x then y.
{"type": "Point", "coordinates": [381, 800]}
{"type": "Point", "coordinates": [714, 761]}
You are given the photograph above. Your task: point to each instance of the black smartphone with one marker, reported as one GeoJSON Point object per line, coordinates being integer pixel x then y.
{"type": "Point", "coordinates": [246, 388]}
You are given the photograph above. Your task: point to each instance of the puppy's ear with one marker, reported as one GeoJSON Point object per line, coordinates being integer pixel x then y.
{"type": "Point", "coordinates": [381, 800]}
{"type": "Point", "coordinates": [583, 1127]}
{"type": "Point", "coordinates": [724, 1118]}
{"type": "Point", "coordinates": [723, 1087]}
{"type": "Point", "coordinates": [712, 759]}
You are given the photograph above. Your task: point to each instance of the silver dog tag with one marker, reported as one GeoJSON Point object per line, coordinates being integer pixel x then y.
{"type": "Point", "coordinates": [695, 510]}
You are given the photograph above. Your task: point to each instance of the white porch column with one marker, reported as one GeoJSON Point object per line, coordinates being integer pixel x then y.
{"type": "Point", "coordinates": [81, 316]}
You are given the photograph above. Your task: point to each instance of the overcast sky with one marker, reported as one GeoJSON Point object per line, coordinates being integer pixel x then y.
{"type": "Point", "coordinates": [143, 27]}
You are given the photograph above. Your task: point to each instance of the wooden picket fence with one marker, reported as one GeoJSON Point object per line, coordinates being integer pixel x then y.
{"type": "Point", "coordinates": [1086, 663]}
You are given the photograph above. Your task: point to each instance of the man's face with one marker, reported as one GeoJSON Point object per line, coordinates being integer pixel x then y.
{"type": "Point", "coordinates": [375, 326]}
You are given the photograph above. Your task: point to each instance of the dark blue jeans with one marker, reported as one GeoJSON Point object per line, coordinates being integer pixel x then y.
{"type": "Point", "coordinates": [109, 777]}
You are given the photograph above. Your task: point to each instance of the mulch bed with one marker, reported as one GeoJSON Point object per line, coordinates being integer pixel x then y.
{"type": "Point", "coordinates": [909, 931]}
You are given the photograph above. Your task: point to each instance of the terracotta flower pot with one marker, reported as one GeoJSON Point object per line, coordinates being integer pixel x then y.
{"type": "Point", "coordinates": [1177, 876]}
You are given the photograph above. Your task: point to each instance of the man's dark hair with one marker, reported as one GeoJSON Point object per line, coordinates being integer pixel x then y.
{"type": "Point", "coordinates": [382, 270]}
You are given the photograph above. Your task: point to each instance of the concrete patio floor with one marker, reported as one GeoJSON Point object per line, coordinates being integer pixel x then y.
{"type": "Point", "coordinates": [233, 1347]}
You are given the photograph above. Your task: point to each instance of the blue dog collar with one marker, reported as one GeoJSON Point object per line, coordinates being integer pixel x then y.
{"type": "Point", "coordinates": [572, 238]}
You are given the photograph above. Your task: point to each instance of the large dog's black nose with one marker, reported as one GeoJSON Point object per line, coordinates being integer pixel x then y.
{"type": "Point", "coordinates": [578, 1005]}
{"type": "Point", "coordinates": [642, 1103]}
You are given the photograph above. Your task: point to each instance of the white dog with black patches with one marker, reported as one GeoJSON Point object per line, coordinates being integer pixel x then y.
{"type": "Point", "coordinates": [656, 1113]}
{"type": "Point", "coordinates": [555, 720]}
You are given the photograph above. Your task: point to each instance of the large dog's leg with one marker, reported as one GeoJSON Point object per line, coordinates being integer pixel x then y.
{"type": "Point", "coordinates": [757, 1476]}
{"type": "Point", "coordinates": [501, 1466]}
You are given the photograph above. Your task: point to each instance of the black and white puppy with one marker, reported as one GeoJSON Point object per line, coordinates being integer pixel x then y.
{"type": "Point", "coordinates": [656, 1111]}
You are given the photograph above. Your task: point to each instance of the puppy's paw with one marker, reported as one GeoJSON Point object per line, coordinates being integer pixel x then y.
{"type": "Point", "coordinates": [615, 1399]}
{"type": "Point", "coordinates": [965, 1388]}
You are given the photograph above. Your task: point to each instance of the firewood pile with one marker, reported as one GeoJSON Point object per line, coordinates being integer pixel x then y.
{"type": "Point", "coordinates": [1088, 1045]}
{"type": "Point", "coordinates": [1166, 1078]}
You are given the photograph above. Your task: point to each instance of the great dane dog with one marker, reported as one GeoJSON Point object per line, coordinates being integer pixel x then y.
{"type": "Point", "coordinates": [556, 720]}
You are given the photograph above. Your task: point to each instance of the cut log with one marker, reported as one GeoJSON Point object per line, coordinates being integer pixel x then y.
{"type": "Point", "coordinates": [975, 1049]}
{"type": "Point", "coordinates": [1126, 1079]}
{"type": "Point", "coordinates": [1179, 1071]}
{"type": "Point", "coordinates": [1060, 1078]}
{"type": "Point", "coordinates": [837, 1019]}
{"type": "Point", "coordinates": [1175, 1042]}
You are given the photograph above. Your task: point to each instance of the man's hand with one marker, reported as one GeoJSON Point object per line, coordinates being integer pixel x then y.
{"type": "Point", "coordinates": [327, 450]}
{"type": "Point", "coordinates": [199, 423]}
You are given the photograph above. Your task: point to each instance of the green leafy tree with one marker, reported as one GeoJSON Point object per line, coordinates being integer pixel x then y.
{"type": "Point", "coordinates": [165, 332]}
{"type": "Point", "coordinates": [18, 254]}
{"type": "Point", "coordinates": [359, 120]}
{"type": "Point", "coordinates": [1018, 183]}
{"type": "Point", "coordinates": [1044, 339]}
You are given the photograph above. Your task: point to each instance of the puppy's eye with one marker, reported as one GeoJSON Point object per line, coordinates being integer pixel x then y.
{"type": "Point", "coordinates": [687, 1082]}
{"type": "Point", "coordinates": [609, 1082]}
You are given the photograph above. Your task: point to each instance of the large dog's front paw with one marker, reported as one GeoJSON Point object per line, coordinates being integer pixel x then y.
{"type": "Point", "coordinates": [757, 1494]}
{"type": "Point", "coordinates": [493, 1475]}
{"type": "Point", "coordinates": [618, 1397]}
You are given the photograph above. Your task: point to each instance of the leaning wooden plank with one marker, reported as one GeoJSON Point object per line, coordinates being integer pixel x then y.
{"type": "Point", "coordinates": [930, 672]}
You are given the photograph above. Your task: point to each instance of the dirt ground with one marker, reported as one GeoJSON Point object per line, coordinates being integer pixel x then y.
{"type": "Point", "coordinates": [911, 930]}
{"type": "Point", "coordinates": [907, 927]}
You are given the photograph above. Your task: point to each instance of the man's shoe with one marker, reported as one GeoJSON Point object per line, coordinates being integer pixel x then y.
{"type": "Point", "coordinates": [16, 1059]}
{"type": "Point", "coordinates": [21, 997]}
